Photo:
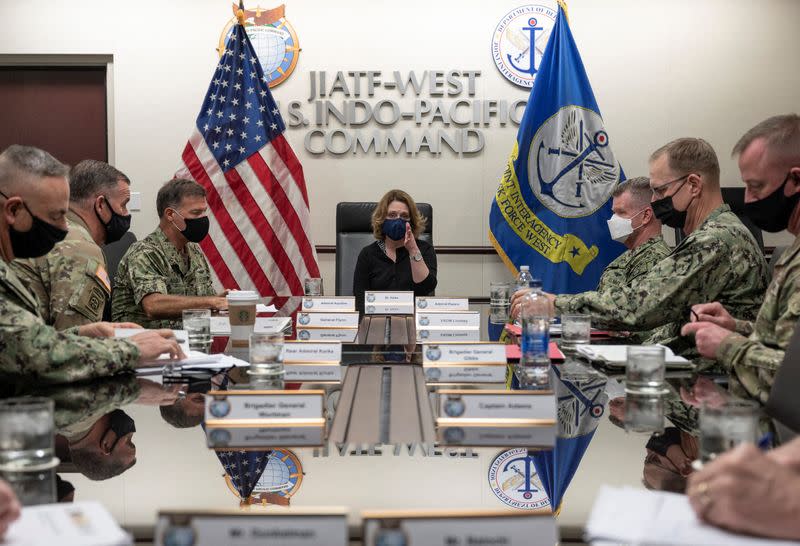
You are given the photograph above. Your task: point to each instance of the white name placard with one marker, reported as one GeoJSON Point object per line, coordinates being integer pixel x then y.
{"type": "Point", "coordinates": [462, 527]}
{"type": "Point", "coordinates": [329, 304]}
{"type": "Point", "coordinates": [271, 325]}
{"type": "Point", "coordinates": [538, 406]}
{"type": "Point", "coordinates": [312, 372]}
{"type": "Point", "coordinates": [345, 335]}
{"type": "Point", "coordinates": [464, 320]}
{"type": "Point", "coordinates": [327, 320]}
{"type": "Point", "coordinates": [475, 353]}
{"type": "Point", "coordinates": [424, 335]}
{"type": "Point", "coordinates": [389, 303]}
{"type": "Point", "coordinates": [239, 437]}
{"type": "Point", "coordinates": [294, 351]}
{"type": "Point", "coordinates": [442, 304]}
{"type": "Point", "coordinates": [251, 529]}
{"type": "Point", "coordinates": [542, 436]}
{"type": "Point", "coordinates": [264, 407]}
{"type": "Point", "coordinates": [460, 373]}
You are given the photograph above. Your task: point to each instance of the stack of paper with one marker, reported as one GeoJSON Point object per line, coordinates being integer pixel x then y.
{"type": "Point", "coordinates": [67, 524]}
{"type": "Point", "coordinates": [196, 360]}
{"type": "Point", "coordinates": [637, 516]}
{"type": "Point", "coordinates": [221, 325]}
{"type": "Point", "coordinates": [617, 355]}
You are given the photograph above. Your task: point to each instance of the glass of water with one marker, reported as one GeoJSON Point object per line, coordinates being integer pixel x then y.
{"type": "Point", "coordinates": [197, 323]}
{"type": "Point", "coordinates": [26, 434]}
{"type": "Point", "coordinates": [499, 293]}
{"type": "Point", "coordinates": [726, 426]}
{"type": "Point", "coordinates": [33, 487]}
{"type": "Point", "coordinates": [312, 286]}
{"type": "Point", "coordinates": [644, 372]}
{"type": "Point", "coordinates": [266, 356]}
{"type": "Point", "coordinates": [576, 329]}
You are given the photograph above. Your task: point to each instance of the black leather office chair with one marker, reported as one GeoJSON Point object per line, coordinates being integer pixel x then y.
{"type": "Point", "coordinates": [354, 232]}
{"type": "Point", "coordinates": [114, 253]}
{"type": "Point", "coordinates": [735, 198]}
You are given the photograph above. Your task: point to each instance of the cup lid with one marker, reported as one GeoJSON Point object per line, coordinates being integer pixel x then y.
{"type": "Point", "coordinates": [243, 295]}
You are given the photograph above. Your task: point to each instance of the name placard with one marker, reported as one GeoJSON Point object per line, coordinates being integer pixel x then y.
{"type": "Point", "coordinates": [327, 320]}
{"type": "Point", "coordinates": [294, 351]}
{"type": "Point", "coordinates": [389, 303]}
{"type": "Point", "coordinates": [474, 353]}
{"type": "Point", "coordinates": [542, 436]}
{"type": "Point", "coordinates": [464, 320]}
{"type": "Point", "coordinates": [482, 527]}
{"type": "Point", "coordinates": [442, 304]}
{"type": "Point", "coordinates": [272, 325]}
{"type": "Point", "coordinates": [327, 527]}
{"type": "Point", "coordinates": [424, 335]}
{"type": "Point", "coordinates": [312, 372]}
{"type": "Point", "coordinates": [533, 407]}
{"type": "Point", "coordinates": [460, 373]}
{"type": "Point", "coordinates": [344, 335]}
{"type": "Point", "coordinates": [224, 438]}
{"type": "Point", "coordinates": [329, 304]}
{"type": "Point", "coordinates": [263, 408]}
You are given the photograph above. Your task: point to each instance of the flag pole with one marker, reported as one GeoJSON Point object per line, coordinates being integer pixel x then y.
{"type": "Point", "coordinates": [561, 3]}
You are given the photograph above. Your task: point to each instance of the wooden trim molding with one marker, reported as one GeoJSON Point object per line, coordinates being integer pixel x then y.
{"type": "Point", "coordinates": [463, 250]}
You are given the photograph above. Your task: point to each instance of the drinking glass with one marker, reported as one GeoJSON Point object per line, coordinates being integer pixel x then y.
{"type": "Point", "coordinates": [576, 329]}
{"type": "Point", "coordinates": [726, 426]}
{"type": "Point", "coordinates": [32, 487]}
{"type": "Point", "coordinates": [266, 356]}
{"type": "Point", "coordinates": [499, 293]}
{"type": "Point", "coordinates": [197, 323]}
{"type": "Point", "coordinates": [644, 412]}
{"type": "Point", "coordinates": [312, 286]}
{"type": "Point", "coordinates": [26, 433]}
{"type": "Point", "coordinates": [644, 372]}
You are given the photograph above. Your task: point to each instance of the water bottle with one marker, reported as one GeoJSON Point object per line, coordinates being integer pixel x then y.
{"type": "Point", "coordinates": [533, 371]}
{"type": "Point", "coordinates": [524, 279]}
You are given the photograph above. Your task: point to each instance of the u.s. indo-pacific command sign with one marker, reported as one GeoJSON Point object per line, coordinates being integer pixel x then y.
{"type": "Point", "coordinates": [519, 40]}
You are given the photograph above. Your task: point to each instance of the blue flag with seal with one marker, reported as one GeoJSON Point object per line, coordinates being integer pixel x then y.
{"type": "Point", "coordinates": [554, 198]}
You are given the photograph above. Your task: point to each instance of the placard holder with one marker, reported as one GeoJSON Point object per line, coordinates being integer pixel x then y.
{"type": "Point", "coordinates": [507, 527]}
{"type": "Point", "coordinates": [241, 437]}
{"type": "Point", "coordinates": [253, 408]}
{"type": "Point", "coordinates": [482, 407]}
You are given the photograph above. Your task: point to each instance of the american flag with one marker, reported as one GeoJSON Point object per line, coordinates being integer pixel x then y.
{"type": "Point", "coordinates": [244, 468]}
{"type": "Point", "coordinates": [260, 222]}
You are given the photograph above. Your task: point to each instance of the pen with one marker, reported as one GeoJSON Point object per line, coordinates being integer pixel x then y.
{"type": "Point", "coordinates": [692, 311]}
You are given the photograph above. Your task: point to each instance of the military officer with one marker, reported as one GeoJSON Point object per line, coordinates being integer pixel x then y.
{"type": "Point", "coordinates": [71, 281]}
{"type": "Point", "coordinates": [769, 161]}
{"type": "Point", "coordinates": [34, 196]}
{"type": "Point", "coordinates": [166, 272]}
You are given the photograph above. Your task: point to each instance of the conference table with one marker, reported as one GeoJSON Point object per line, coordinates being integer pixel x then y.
{"type": "Point", "coordinates": [176, 470]}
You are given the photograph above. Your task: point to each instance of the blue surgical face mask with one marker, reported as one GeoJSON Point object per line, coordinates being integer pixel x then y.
{"type": "Point", "coordinates": [394, 228]}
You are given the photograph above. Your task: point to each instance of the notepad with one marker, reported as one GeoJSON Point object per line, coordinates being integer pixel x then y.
{"type": "Point", "coordinates": [68, 524]}
{"type": "Point", "coordinates": [617, 356]}
{"type": "Point", "coordinates": [637, 516]}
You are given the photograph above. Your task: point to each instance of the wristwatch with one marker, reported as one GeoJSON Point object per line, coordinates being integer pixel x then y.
{"type": "Point", "coordinates": [417, 257]}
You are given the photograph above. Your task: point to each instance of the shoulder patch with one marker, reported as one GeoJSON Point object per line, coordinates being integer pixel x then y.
{"type": "Point", "coordinates": [102, 276]}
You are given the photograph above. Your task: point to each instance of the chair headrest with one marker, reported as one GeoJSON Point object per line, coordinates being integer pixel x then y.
{"type": "Point", "coordinates": [356, 216]}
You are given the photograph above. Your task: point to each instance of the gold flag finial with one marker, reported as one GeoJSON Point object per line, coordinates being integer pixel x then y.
{"type": "Point", "coordinates": [563, 5]}
{"type": "Point", "coordinates": [240, 13]}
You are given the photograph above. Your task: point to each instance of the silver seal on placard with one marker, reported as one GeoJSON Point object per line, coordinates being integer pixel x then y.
{"type": "Point", "coordinates": [308, 303]}
{"type": "Point", "coordinates": [453, 435]}
{"type": "Point", "coordinates": [219, 407]}
{"type": "Point", "coordinates": [423, 334]}
{"type": "Point", "coordinates": [219, 437]}
{"type": "Point", "coordinates": [304, 319]}
{"type": "Point", "coordinates": [422, 303]}
{"type": "Point", "coordinates": [433, 374]}
{"type": "Point", "coordinates": [424, 321]}
{"type": "Point", "coordinates": [370, 308]}
{"type": "Point", "coordinates": [433, 352]}
{"type": "Point", "coordinates": [454, 406]}
{"type": "Point", "coordinates": [304, 335]}
{"type": "Point", "coordinates": [178, 536]}
{"type": "Point", "coordinates": [370, 298]}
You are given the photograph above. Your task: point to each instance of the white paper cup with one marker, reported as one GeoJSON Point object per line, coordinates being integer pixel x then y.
{"type": "Point", "coordinates": [242, 314]}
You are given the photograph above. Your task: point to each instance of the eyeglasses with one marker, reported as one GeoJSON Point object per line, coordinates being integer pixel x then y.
{"type": "Point", "coordinates": [658, 191]}
{"type": "Point", "coordinates": [395, 215]}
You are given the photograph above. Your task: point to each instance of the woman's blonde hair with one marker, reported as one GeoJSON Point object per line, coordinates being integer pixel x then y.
{"type": "Point", "coordinates": [417, 221]}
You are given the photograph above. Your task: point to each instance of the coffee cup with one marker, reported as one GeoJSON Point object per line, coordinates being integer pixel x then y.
{"type": "Point", "coordinates": [242, 314]}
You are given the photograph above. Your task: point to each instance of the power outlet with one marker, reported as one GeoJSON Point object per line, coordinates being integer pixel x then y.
{"type": "Point", "coordinates": [135, 204]}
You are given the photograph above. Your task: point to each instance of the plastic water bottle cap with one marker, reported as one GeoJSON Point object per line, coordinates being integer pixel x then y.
{"type": "Point", "coordinates": [524, 268]}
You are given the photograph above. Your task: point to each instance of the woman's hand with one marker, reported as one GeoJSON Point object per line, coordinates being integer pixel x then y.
{"type": "Point", "coordinates": [409, 241]}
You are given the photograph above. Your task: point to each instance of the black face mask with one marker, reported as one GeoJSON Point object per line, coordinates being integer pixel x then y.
{"type": "Point", "coordinates": [196, 228]}
{"type": "Point", "coordinates": [37, 241]}
{"type": "Point", "coordinates": [121, 423]}
{"type": "Point", "coordinates": [665, 211]}
{"type": "Point", "coordinates": [773, 212]}
{"type": "Point", "coordinates": [117, 226]}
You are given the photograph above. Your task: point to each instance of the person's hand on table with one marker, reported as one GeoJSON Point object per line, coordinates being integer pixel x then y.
{"type": "Point", "coordinates": [155, 394]}
{"type": "Point", "coordinates": [518, 302]}
{"type": "Point", "coordinates": [154, 343]}
{"type": "Point", "coordinates": [105, 329]}
{"type": "Point", "coordinates": [745, 491]}
{"type": "Point", "coordinates": [707, 336]}
{"type": "Point", "coordinates": [713, 312]}
{"type": "Point", "coordinates": [9, 507]}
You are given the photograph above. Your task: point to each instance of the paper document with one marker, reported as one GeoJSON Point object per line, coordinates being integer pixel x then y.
{"type": "Point", "coordinates": [198, 361]}
{"type": "Point", "coordinates": [66, 524]}
{"type": "Point", "coordinates": [261, 308]}
{"type": "Point", "coordinates": [617, 355]}
{"type": "Point", "coordinates": [221, 326]}
{"type": "Point", "coordinates": [637, 516]}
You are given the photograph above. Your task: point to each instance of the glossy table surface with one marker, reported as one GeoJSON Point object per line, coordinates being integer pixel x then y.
{"type": "Point", "coordinates": [175, 469]}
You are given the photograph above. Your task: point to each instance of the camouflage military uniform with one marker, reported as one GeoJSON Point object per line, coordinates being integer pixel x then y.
{"type": "Point", "coordinates": [719, 261]}
{"type": "Point", "coordinates": [153, 265]}
{"type": "Point", "coordinates": [31, 349]}
{"type": "Point", "coordinates": [626, 270]}
{"type": "Point", "coordinates": [70, 282]}
{"type": "Point", "coordinates": [753, 361]}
